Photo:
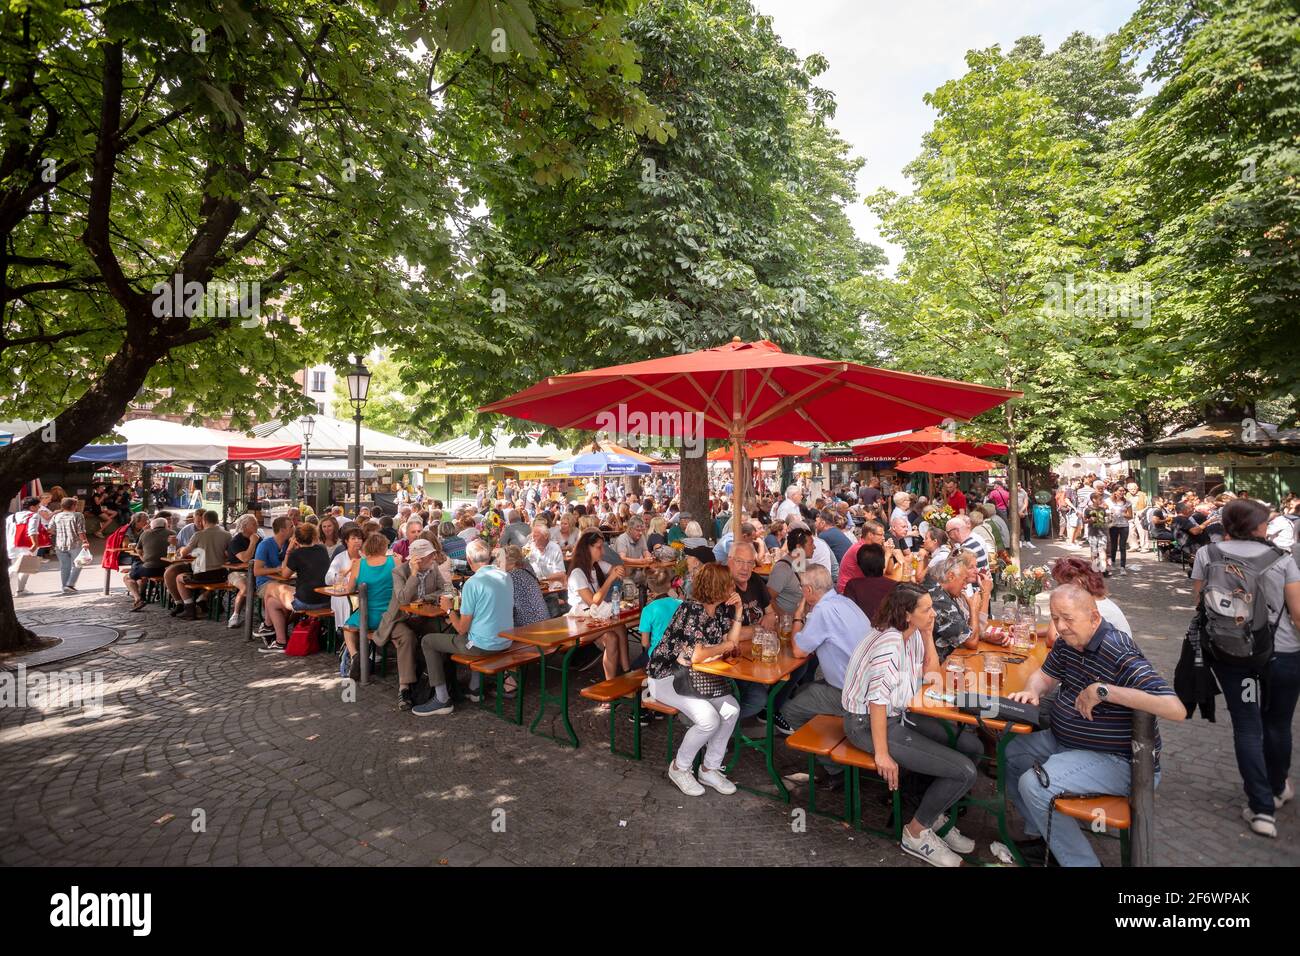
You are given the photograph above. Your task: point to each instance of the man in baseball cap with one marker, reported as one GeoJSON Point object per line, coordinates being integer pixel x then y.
{"type": "Point", "coordinates": [415, 580]}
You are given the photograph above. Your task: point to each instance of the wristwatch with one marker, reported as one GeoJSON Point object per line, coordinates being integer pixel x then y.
{"type": "Point", "coordinates": [1102, 692]}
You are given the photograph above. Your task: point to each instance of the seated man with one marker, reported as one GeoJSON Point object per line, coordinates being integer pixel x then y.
{"type": "Point", "coordinates": [487, 608]}
{"type": "Point", "coordinates": [211, 540]}
{"type": "Point", "coordinates": [152, 547]}
{"type": "Point", "coordinates": [415, 580]}
{"type": "Point", "coordinates": [1089, 748]}
{"type": "Point", "coordinates": [830, 626]}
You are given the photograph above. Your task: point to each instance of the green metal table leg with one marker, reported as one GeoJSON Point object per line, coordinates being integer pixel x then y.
{"type": "Point", "coordinates": [764, 746]}
{"type": "Point", "coordinates": [561, 701]}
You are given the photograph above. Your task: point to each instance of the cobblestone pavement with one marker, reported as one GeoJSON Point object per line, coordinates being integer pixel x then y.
{"type": "Point", "coordinates": [207, 752]}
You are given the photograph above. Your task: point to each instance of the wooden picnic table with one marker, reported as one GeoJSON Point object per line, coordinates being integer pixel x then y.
{"type": "Point", "coordinates": [773, 675]}
{"type": "Point", "coordinates": [566, 633]}
{"type": "Point", "coordinates": [424, 609]}
{"type": "Point", "coordinates": [1014, 678]}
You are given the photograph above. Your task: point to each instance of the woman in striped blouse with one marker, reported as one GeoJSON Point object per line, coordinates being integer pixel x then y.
{"type": "Point", "coordinates": [884, 675]}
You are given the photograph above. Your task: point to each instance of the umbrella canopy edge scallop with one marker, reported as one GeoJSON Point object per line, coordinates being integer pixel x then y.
{"type": "Point", "coordinates": [749, 390]}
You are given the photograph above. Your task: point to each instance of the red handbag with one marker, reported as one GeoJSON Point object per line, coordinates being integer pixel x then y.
{"type": "Point", "coordinates": [304, 639]}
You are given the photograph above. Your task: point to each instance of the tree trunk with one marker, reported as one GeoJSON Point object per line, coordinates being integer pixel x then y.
{"type": "Point", "coordinates": [693, 490]}
{"type": "Point", "coordinates": [95, 413]}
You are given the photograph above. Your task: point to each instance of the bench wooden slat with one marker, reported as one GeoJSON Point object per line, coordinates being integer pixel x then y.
{"type": "Point", "coordinates": [505, 661]}
{"type": "Point", "coordinates": [649, 703]}
{"type": "Point", "coordinates": [820, 736]}
{"type": "Point", "coordinates": [623, 686]}
{"type": "Point", "coordinates": [1115, 810]}
{"type": "Point", "coordinates": [850, 756]}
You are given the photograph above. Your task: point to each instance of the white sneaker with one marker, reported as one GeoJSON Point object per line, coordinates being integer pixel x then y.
{"type": "Point", "coordinates": [235, 621]}
{"type": "Point", "coordinates": [1261, 823]}
{"type": "Point", "coordinates": [956, 842]}
{"type": "Point", "coordinates": [685, 780]}
{"type": "Point", "coordinates": [930, 848]}
{"type": "Point", "coordinates": [1285, 797]}
{"type": "Point", "coordinates": [717, 780]}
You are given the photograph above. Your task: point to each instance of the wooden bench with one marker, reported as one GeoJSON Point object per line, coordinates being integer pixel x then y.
{"type": "Point", "coordinates": [498, 665]}
{"type": "Point", "coordinates": [819, 738]}
{"type": "Point", "coordinates": [326, 615]}
{"type": "Point", "coordinates": [620, 691]}
{"type": "Point", "coordinates": [847, 755]}
{"type": "Point", "coordinates": [1103, 813]}
{"type": "Point", "coordinates": [214, 592]}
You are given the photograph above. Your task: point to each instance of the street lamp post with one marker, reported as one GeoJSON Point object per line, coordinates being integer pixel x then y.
{"type": "Point", "coordinates": [308, 426]}
{"type": "Point", "coordinates": [358, 392]}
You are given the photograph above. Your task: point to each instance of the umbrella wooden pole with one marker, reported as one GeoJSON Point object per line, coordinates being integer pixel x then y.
{"type": "Point", "coordinates": [737, 451]}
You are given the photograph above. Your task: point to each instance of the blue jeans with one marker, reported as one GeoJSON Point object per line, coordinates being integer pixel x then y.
{"type": "Point", "coordinates": [1261, 724]}
{"type": "Point", "coordinates": [68, 572]}
{"type": "Point", "coordinates": [1068, 771]}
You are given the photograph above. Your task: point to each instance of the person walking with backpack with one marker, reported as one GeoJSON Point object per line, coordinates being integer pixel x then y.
{"type": "Point", "coordinates": [1248, 609]}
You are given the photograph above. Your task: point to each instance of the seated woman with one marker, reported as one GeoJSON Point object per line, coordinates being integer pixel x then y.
{"type": "Point", "coordinates": [1081, 572]}
{"type": "Point", "coordinates": [658, 535]}
{"type": "Point", "coordinates": [956, 616]}
{"type": "Point", "coordinates": [453, 545]}
{"type": "Point", "coordinates": [869, 591]}
{"type": "Point", "coordinates": [373, 568]}
{"type": "Point", "coordinates": [530, 603]}
{"type": "Point", "coordinates": [702, 629]}
{"type": "Point", "coordinates": [883, 676]}
{"type": "Point", "coordinates": [694, 536]}
{"type": "Point", "coordinates": [590, 581]}
{"type": "Point", "coordinates": [353, 537]}
{"type": "Point", "coordinates": [309, 562]}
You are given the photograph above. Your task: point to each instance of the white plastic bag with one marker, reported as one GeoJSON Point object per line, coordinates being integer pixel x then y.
{"type": "Point", "coordinates": [84, 558]}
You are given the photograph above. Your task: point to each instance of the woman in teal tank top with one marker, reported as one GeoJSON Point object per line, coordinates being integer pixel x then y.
{"type": "Point", "coordinates": [373, 568]}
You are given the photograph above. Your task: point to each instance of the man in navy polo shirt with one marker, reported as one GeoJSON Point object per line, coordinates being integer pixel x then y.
{"type": "Point", "coordinates": [1103, 678]}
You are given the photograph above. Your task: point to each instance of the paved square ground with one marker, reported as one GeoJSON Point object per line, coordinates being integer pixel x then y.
{"type": "Point", "coordinates": [208, 752]}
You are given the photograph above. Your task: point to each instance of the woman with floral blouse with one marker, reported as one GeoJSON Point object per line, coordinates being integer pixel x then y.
{"type": "Point", "coordinates": [702, 629]}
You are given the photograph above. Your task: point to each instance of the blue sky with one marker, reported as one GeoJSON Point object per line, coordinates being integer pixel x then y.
{"type": "Point", "coordinates": [884, 56]}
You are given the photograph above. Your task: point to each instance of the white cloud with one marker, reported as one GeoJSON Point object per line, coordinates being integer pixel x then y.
{"type": "Point", "coordinates": [884, 56]}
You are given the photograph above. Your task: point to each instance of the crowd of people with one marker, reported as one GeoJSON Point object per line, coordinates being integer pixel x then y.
{"type": "Point", "coordinates": [876, 585]}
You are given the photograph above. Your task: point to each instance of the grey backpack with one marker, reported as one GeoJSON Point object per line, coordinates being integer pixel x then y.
{"type": "Point", "coordinates": [1235, 621]}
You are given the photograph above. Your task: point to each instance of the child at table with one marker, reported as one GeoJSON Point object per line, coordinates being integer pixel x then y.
{"type": "Point", "coordinates": [658, 611]}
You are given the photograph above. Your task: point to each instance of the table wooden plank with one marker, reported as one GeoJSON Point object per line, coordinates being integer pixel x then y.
{"type": "Point", "coordinates": [558, 631]}
{"type": "Point", "coordinates": [755, 672]}
{"type": "Point", "coordinates": [1013, 679]}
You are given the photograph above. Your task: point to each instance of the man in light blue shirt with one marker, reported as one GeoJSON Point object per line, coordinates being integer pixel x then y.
{"type": "Point", "coordinates": [486, 609]}
{"type": "Point", "coordinates": [831, 626]}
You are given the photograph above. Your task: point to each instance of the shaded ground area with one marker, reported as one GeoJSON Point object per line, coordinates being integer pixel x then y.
{"type": "Point", "coordinates": [208, 752]}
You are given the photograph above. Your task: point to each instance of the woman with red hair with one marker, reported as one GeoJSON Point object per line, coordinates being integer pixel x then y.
{"type": "Point", "coordinates": [1080, 572]}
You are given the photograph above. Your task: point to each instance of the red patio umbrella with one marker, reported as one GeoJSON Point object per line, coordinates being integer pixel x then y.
{"type": "Point", "coordinates": [944, 460]}
{"type": "Point", "coordinates": [748, 390]}
{"type": "Point", "coordinates": [760, 450]}
{"type": "Point", "coordinates": [920, 442]}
